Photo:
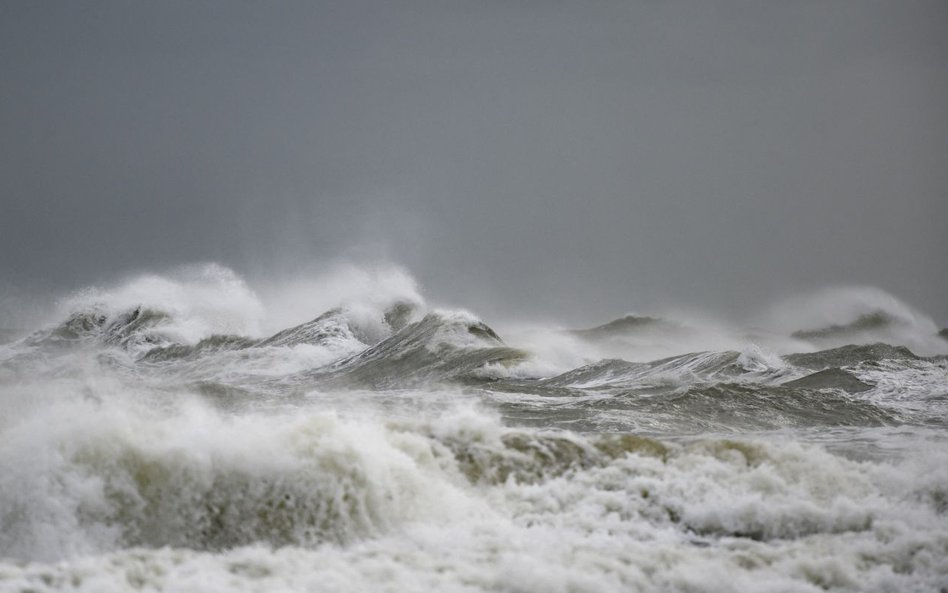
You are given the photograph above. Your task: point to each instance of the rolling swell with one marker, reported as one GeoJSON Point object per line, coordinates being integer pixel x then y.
{"type": "Point", "coordinates": [865, 323]}
{"type": "Point", "coordinates": [209, 345]}
{"type": "Point", "coordinates": [628, 327]}
{"type": "Point", "coordinates": [346, 349]}
{"type": "Point", "coordinates": [850, 355]}
{"type": "Point", "coordinates": [701, 366]}
{"type": "Point", "coordinates": [735, 392]}
{"type": "Point", "coordinates": [440, 347]}
{"type": "Point", "coordinates": [733, 407]}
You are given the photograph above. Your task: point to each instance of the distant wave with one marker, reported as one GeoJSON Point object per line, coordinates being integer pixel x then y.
{"type": "Point", "coordinates": [399, 344]}
{"type": "Point", "coordinates": [628, 326]}
{"type": "Point", "coordinates": [855, 315]}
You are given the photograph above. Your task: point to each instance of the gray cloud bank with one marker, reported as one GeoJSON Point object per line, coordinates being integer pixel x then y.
{"type": "Point", "coordinates": [569, 158]}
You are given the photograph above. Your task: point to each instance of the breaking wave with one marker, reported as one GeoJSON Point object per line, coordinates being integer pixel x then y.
{"type": "Point", "coordinates": [163, 428]}
{"type": "Point", "coordinates": [855, 315]}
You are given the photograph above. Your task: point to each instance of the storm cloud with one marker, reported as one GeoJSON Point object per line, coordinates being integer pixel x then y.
{"type": "Point", "coordinates": [568, 158]}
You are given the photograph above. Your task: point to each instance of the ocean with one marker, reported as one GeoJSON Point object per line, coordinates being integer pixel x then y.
{"type": "Point", "coordinates": [190, 432]}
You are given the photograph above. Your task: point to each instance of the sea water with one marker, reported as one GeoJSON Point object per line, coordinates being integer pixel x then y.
{"type": "Point", "coordinates": [186, 432]}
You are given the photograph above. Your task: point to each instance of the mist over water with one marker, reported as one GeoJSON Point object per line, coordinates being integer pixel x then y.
{"type": "Point", "coordinates": [338, 432]}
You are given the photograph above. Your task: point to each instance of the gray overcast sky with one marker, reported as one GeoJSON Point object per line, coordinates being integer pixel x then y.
{"type": "Point", "coordinates": [574, 158]}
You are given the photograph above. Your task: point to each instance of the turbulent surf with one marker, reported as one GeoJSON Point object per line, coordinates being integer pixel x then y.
{"type": "Point", "coordinates": [174, 433]}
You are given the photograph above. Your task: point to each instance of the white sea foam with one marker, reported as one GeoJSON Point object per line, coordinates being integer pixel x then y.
{"type": "Point", "coordinates": [839, 306]}
{"type": "Point", "coordinates": [201, 300]}
{"type": "Point", "coordinates": [365, 290]}
{"type": "Point", "coordinates": [377, 506]}
{"type": "Point", "coordinates": [432, 459]}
